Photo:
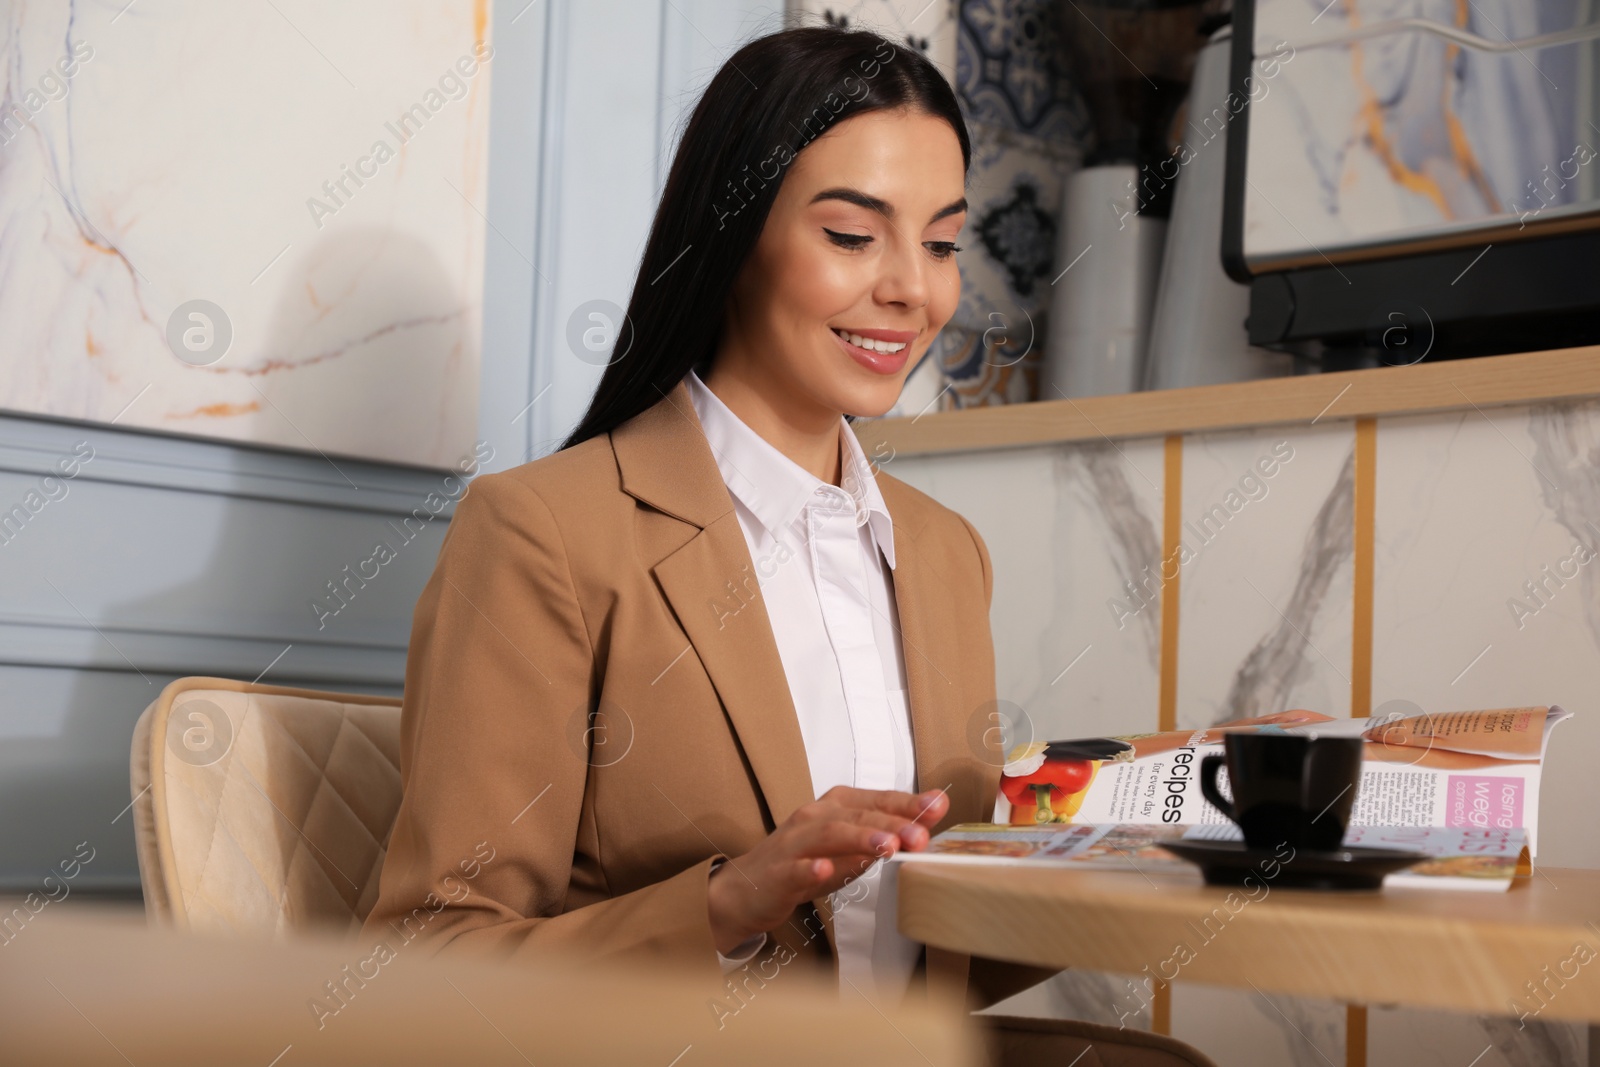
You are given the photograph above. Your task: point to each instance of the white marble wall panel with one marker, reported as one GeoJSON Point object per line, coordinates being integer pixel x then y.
{"type": "Point", "coordinates": [1470, 508]}
{"type": "Point", "coordinates": [1246, 1029]}
{"type": "Point", "coordinates": [1445, 1039]}
{"type": "Point", "coordinates": [316, 172]}
{"type": "Point", "coordinates": [1118, 1000]}
{"type": "Point", "coordinates": [1065, 527]}
{"type": "Point", "coordinates": [1265, 596]}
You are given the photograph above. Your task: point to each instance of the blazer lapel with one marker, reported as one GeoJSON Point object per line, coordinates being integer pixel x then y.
{"type": "Point", "coordinates": [665, 462]}
{"type": "Point", "coordinates": [947, 736]}
{"type": "Point", "coordinates": [919, 646]}
{"type": "Point", "coordinates": [735, 643]}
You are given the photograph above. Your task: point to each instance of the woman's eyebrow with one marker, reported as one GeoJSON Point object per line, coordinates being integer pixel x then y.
{"type": "Point", "coordinates": [883, 207]}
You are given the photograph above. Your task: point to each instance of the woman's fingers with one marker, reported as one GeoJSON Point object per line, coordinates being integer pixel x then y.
{"type": "Point", "coordinates": [908, 830]}
{"type": "Point", "coordinates": [841, 838]}
{"type": "Point", "coordinates": [827, 844]}
{"type": "Point", "coordinates": [932, 806]}
{"type": "Point", "coordinates": [833, 840]}
{"type": "Point", "coordinates": [902, 819]}
{"type": "Point", "coordinates": [813, 871]}
{"type": "Point", "coordinates": [927, 807]}
{"type": "Point", "coordinates": [840, 871]}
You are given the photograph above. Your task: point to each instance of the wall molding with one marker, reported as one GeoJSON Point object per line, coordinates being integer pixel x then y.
{"type": "Point", "coordinates": [32, 446]}
{"type": "Point", "coordinates": [72, 644]}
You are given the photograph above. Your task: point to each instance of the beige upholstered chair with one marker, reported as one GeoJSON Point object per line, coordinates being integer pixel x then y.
{"type": "Point", "coordinates": [260, 809]}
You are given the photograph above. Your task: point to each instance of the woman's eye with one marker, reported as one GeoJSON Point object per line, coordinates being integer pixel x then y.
{"type": "Point", "coordinates": [848, 240]}
{"type": "Point", "coordinates": [942, 249]}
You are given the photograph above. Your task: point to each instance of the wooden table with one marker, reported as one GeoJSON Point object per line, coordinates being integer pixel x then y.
{"type": "Point", "coordinates": [82, 986]}
{"type": "Point", "coordinates": [1534, 949]}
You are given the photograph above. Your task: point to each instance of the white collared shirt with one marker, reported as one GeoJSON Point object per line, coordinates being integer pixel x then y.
{"type": "Point", "coordinates": [823, 556]}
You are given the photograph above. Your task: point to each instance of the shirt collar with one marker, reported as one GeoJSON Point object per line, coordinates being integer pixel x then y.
{"type": "Point", "coordinates": [774, 487]}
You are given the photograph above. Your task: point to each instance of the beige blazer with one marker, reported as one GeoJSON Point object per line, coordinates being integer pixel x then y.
{"type": "Point", "coordinates": [614, 576]}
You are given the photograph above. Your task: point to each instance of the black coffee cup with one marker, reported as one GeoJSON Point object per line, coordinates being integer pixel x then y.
{"type": "Point", "coordinates": [1287, 788]}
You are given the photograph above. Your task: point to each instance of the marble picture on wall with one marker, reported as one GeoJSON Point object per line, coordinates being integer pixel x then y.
{"type": "Point", "coordinates": [1411, 131]}
{"type": "Point", "coordinates": [255, 222]}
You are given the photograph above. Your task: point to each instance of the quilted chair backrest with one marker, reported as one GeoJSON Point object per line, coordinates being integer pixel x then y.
{"type": "Point", "coordinates": [263, 810]}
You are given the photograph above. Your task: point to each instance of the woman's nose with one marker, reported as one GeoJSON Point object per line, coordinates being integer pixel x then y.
{"type": "Point", "coordinates": [905, 278]}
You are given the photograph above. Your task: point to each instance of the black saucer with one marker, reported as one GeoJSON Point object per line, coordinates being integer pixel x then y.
{"type": "Point", "coordinates": [1232, 862]}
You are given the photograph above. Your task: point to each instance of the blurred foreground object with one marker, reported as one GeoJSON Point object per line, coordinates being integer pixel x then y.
{"type": "Point", "coordinates": [84, 987]}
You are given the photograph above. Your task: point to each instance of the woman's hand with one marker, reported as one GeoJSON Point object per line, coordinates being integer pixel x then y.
{"type": "Point", "coordinates": [816, 851]}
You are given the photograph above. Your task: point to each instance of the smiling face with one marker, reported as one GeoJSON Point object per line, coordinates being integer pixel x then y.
{"type": "Point", "coordinates": [853, 276]}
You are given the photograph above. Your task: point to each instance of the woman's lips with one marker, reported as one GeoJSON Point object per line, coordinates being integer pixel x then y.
{"type": "Point", "coordinates": [885, 363]}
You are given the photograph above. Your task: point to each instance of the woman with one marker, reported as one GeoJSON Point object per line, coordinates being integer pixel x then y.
{"type": "Point", "coordinates": [630, 665]}
{"type": "Point", "coordinates": [686, 679]}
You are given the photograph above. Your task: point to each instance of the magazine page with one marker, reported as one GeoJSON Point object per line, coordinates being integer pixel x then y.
{"type": "Point", "coordinates": [1468, 859]}
{"type": "Point", "coordinates": [1510, 733]}
{"type": "Point", "coordinates": [1458, 770]}
{"type": "Point", "coordinates": [1463, 858]}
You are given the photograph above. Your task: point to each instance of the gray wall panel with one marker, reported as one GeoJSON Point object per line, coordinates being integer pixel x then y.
{"type": "Point", "coordinates": [64, 737]}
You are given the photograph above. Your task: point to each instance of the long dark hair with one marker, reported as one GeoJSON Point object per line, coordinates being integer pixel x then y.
{"type": "Point", "coordinates": [773, 97]}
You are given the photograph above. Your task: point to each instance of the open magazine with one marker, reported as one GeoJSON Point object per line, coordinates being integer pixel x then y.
{"type": "Point", "coordinates": [1462, 787]}
{"type": "Point", "coordinates": [1461, 858]}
